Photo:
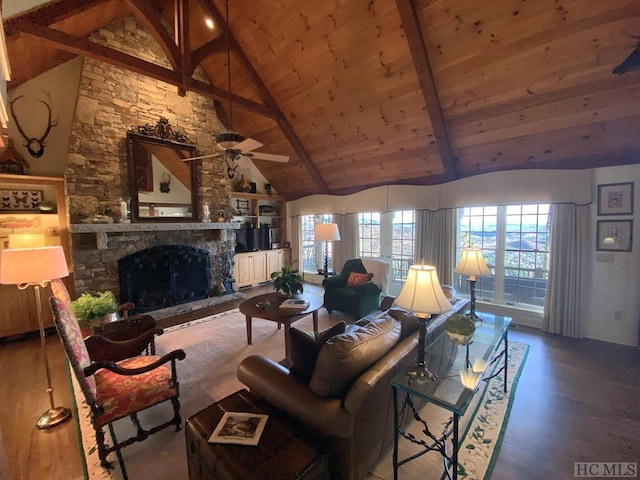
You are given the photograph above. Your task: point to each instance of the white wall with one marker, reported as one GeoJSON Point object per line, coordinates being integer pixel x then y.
{"type": "Point", "coordinates": [57, 87]}
{"type": "Point", "coordinates": [615, 286]}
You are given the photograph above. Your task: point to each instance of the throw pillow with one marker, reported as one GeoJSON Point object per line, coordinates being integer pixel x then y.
{"type": "Point", "coordinates": [356, 279]}
{"type": "Point", "coordinates": [408, 321]}
{"type": "Point", "coordinates": [305, 347]}
{"type": "Point", "coordinates": [346, 356]}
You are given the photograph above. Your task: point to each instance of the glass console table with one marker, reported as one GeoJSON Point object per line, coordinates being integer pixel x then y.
{"type": "Point", "coordinates": [487, 347]}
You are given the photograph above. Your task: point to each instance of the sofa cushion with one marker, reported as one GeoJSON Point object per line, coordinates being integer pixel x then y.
{"type": "Point", "coordinates": [356, 279]}
{"type": "Point", "coordinates": [346, 356]}
{"type": "Point", "coordinates": [408, 321]}
{"type": "Point", "coordinates": [305, 347]}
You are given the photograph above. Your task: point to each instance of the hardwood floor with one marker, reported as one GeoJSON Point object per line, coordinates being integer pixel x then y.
{"type": "Point", "coordinates": [577, 401]}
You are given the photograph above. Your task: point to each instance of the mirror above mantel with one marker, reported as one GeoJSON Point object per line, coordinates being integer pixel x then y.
{"type": "Point", "coordinates": [163, 186]}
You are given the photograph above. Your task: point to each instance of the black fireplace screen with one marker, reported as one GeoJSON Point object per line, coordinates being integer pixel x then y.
{"type": "Point", "coordinates": [164, 276]}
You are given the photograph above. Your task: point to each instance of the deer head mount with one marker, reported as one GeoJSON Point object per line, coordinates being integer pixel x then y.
{"type": "Point", "coordinates": [35, 145]}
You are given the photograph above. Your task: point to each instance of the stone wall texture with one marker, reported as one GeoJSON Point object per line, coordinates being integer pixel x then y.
{"type": "Point", "coordinates": [110, 102]}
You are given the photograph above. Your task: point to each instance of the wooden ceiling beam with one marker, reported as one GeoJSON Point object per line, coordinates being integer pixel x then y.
{"type": "Point", "coordinates": [420, 58]}
{"type": "Point", "coordinates": [266, 96]}
{"type": "Point", "coordinates": [81, 46]}
{"type": "Point", "coordinates": [152, 21]}
{"type": "Point", "coordinates": [199, 54]}
{"type": "Point", "coordinates": [52, 12]}
{"type": "Point", "coordinates": [181, 29]}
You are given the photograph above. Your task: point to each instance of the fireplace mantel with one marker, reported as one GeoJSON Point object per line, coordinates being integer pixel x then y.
{"type": "Point", "coordinates": [148, 227]}
{"type": "Point", "coordinates": [102, 230]}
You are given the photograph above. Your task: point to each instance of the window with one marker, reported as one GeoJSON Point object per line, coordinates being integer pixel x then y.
{"type": "Point", "coordinates": [390, 237]}
{"type": "Point", "coordinates": [515, 245]}
{"type": "Point", "coordinates": [312, 251]}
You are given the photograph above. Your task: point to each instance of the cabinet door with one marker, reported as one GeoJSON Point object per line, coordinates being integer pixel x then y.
{"type": "Point", "coordinates": [259, 265]}
{"type": "Point", "coordinates": [18, 311]}
{"type": "Point", "coordinates": [243, 270]}
{"type": "Point", "coordinates": [274, 261]}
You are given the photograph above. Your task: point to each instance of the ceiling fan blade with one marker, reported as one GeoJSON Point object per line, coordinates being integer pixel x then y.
{"type": "Point", "coordinates": [211, 155]}
{"type": "Point", "coordinates": [271, 157]}
{"type": "Point", "coordinates": [247, 145]}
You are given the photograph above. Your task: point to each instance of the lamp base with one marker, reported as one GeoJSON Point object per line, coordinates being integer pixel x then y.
{"type": "Point", "coordinates": [53, 417]}
{"type": "Point", "coordinates": [420, 372]}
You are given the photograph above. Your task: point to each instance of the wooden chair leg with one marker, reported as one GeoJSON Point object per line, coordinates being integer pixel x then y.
{"type": "Point", "coordinates": [123, 469]}
{"type": "Point", "coordinates": [175, 401]}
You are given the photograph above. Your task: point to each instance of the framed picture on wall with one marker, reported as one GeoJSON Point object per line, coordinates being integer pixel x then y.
{"type": "Point", "coordinates": [614, 235]}
{"type": "Point", "coordinates": [615, 199]}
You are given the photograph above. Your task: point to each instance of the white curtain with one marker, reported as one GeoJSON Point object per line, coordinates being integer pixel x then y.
{"type": "Point", "coordinates": [348, 245]}
{"type": "Point", "coordinates": [296, 242]}
{"type": "Point", "coordinates": [436, 241]}
{"type": "Point", "coordinates": [568, 269]}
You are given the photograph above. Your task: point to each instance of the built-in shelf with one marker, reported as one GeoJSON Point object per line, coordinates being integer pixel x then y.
{"type": "Point", "coordinates": [147, 227]}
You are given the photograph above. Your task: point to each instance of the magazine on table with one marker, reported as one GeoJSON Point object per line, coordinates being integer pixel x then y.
{"type": "Point", "coordinates": [240, 428]}
{"type": "Point", "coordinates": [295, 304]}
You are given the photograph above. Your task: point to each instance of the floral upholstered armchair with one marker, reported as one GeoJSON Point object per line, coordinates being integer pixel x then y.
{"type": "Point", "coordinates": [116, 389]}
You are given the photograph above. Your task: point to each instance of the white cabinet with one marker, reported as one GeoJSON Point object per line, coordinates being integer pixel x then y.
{"type": "Point", "coordinates": [253, 268]}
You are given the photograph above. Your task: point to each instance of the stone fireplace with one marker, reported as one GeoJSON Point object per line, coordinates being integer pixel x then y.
{"type": "Point", "coordinates": [112, 101]}
{"type": "Point", "coordinates": [98, 250]}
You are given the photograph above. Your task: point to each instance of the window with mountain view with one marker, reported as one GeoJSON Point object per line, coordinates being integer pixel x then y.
{"type": "Point", "coordinates": [515, 244]}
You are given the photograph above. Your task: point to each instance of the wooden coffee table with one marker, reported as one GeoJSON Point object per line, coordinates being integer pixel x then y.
{"type": "Point", "coordinates": [281, 316]}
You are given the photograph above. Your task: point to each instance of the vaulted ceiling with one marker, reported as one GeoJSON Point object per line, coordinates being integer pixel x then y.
{"type": "Point", "coordinates": [367, 93]}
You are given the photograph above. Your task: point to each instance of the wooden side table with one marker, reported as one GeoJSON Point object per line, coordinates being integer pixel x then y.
{"type": "Point", "coordinates": [280, 454]}
{"type": "Point", "coordinates": [123, 339]}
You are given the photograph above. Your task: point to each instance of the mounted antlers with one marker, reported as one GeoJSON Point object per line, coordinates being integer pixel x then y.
{"type": "Point", "coordinates": [35, 146]}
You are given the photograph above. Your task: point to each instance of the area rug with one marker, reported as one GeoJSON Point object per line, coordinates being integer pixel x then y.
{"type": "Point", "coordinates": [215, 346]}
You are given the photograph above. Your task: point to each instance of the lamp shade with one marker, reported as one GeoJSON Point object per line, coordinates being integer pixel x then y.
{"type": "Point", "coordinates": [422, 292]}
{"type": "Point", "coordinates": [325, 232]}
{"type": "Point", "coordinates": [32, 265]}
{"type": "Point", "coordinates": [471, 263]}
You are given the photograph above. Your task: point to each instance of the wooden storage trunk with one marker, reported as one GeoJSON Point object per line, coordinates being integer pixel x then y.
{"type": "Point", "coordinates": [280, 454]}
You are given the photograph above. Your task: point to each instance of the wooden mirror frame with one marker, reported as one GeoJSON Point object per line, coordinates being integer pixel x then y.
{"type": "Point", "coordinates": [162, 135]}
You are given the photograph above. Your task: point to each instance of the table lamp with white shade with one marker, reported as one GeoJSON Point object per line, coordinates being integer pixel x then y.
{"type": "Point", "coordinates": [35, 267]}
{"type": "Point", "coordinates": [422, 295]}
{"type": "Point", "coordinates": [326, 232]}
{"type": "Point", "coordinates": [472, 264]}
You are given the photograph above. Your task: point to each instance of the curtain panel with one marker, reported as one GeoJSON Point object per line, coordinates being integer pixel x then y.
{"type": "Point", "coordinates": [569, 269]}
{"type": "Point", "coordinates": [436, 241]}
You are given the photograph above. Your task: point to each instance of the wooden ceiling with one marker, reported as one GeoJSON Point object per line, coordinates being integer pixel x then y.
{"type": "Point", "coordinates": [368, 93]}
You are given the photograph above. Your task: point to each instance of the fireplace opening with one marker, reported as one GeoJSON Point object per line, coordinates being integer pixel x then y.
{"type": "Point", "coordinates": [164, 276]}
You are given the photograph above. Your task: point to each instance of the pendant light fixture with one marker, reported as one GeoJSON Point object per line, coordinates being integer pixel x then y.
{"type": "Point", "coordinates": [230, 139]}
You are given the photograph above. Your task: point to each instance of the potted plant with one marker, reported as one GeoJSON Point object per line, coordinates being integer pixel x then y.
{"type": "Point", "coordinates": [287, 280]}
{"type": "Point", "coordinates": [459, 328]}
{"type": "Point", "coordinates": [94, 308]}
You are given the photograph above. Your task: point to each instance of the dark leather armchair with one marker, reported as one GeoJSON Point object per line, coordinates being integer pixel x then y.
{"type": "Point", "coordinates": [356, 301]}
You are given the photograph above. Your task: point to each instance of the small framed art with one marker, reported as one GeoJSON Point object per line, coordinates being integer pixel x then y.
{"type": "Point", "coordinates": [614, 235]}
{"type": "Point", "coordinates": [615, 199]}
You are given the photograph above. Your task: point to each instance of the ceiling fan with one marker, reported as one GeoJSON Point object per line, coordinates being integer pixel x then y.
{"type": "Point", "coordinates": [230, 144]}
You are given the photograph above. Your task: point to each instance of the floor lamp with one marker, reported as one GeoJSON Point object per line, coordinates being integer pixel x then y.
{"type": "Point", "coordinates": [326, 232]}
{"type": "Point", "coordinates": [423, 295]}
{"type": "Point", "coordinates": [35, 267]}
{"type": "Point", "coordinates": [471, 263]}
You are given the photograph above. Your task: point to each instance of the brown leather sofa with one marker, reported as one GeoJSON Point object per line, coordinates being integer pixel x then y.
{"type": "Point", "coordinates": [354, 426]}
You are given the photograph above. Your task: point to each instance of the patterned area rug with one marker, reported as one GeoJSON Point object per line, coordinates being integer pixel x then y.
{"type": "Point", "coordinates": [215, 345]}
